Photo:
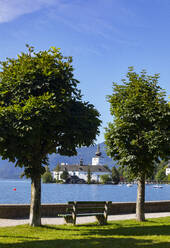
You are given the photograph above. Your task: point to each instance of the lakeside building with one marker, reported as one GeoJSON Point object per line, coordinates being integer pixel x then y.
{"type": "Point", "coordinates": [97, 169]}
{"type": "Point", "coordinates": [168, 169]}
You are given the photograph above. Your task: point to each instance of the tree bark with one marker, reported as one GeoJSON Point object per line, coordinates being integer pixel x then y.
{"type": "Point", "coordinates": [140, 204]}
{"type": "Point", "coordinates": [35, 207]}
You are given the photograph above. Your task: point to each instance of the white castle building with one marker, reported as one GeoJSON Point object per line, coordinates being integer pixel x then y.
{"type": "Point", "coordinates": [168, 169]}
{"type": "Point", "coordinates": [81, 171]}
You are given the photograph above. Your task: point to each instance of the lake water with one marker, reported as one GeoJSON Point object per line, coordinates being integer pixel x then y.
{"type": "Point", "coordinates": [61, 193]}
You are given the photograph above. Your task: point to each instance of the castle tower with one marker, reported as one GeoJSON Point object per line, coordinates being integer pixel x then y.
{"type": "Point", "coordinates": [97, 160]}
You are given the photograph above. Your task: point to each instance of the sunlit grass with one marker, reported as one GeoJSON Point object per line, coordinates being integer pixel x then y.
{"type": "Point", "coordinates": [152, 233]}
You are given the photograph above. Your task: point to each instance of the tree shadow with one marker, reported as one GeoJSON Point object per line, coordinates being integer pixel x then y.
{"type": "Point", "coordinates": [89, 243]}
{"type": "Point", "coordinates": [115, 234]}
{"type": "Point", "coordinates": [130, 231]}
{"type": "Point", "coordinates": [134, 229]}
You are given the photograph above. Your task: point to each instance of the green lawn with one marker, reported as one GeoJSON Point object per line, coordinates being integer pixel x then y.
{"type": "Point", "coordinates": [152, 233]}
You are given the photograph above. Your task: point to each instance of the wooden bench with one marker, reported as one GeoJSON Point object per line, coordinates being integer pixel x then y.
{"type": "Point", "coordinates": [99, 209]}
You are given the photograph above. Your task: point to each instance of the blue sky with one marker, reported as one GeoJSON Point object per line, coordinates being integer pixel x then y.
{"type": "Point", "coordinates": [104, 37]}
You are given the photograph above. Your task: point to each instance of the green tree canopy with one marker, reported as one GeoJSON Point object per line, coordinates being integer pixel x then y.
{"type": "Point", "coordinates": [42, 112]}
{"type": "Point", "coordinates": [57, 169]}
{"type": "Point", "coordinates": [140, 132]}
{"type": "Point", "coordinates": [64, 175]}
{"type": "Point", "coordinates": [161, 175]}
{"type": "Point", "coordinates": [125, 174]}
{"type": "Point", "coordinates": [160, 171]}
{"type": "Point", "coordinates": [105, 178]}
{"type": "Point", "coordinates": [89, 175]}
{"type": "Point", "coordinates": [47, 176]}
{"type": "Point", "coordinates": [115, 175]}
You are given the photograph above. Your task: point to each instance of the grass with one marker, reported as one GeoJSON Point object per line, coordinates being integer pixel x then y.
{"type": "Point", "coordinates": [154, 233]}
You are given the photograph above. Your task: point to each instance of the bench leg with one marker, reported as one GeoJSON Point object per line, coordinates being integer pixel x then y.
{"type": "Point", "coordinates": [102, 220]}
{"type": "Point", "coordinates": [69, 220]}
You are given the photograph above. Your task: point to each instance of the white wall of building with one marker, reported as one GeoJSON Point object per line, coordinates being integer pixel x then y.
{"type": "Point", "coordinates": [82, 175]}
{"type": "Point", "coordinates": [97, 161]}
{"type": "Point", "coordinates": [167, 171]}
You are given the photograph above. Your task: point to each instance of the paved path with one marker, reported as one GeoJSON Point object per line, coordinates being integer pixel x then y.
{"type": "Point", "coordinates": [82, 220]}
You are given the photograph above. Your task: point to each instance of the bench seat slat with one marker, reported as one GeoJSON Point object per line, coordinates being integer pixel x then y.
{"type": "Point", "coordinates": [79, 208]}
{"type": "Point", "coordinates": [89, 214]}
{"type": "Point", "coordinates": [80, 214]}
{"type": "Point", "coordinates": [64, 215]}
{"type": "Point", "coordinates": [87, 202]}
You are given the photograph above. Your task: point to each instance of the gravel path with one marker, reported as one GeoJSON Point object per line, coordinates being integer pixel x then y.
{"type": "Point", "coordinates": [82, 220]}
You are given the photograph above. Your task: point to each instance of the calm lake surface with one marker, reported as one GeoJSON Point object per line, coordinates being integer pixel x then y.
{"type": "Point", "coordinates": [61, 193]}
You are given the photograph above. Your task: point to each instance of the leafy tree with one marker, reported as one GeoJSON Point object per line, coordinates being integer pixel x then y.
{"type": "Point", "coordinates": [42, 112]}
{"type": "Point", "coordinates": [64, 175]}
{"type": "Point", "coordinates": [57, 169]}
{"type": "Point", "coordinates": [105, 178]}
{"type": "Point", "coordinates": [47, 176]}
{"type": "Point", "coordinates": [140, 132]}
{"type": "Point", "coordinates": [88, 175]}
{"type": "Point", "coordinates": [160, 175]}
{"type": "Point", "coordinates": [160, 171]}
{"type": "Point", "coordinates": [157, 166]}
{"type": "Point", "coordinates": [115, 175]}
{"type": "Point", "coordinates": [126, 174]}
{"type": "Point", "coordinates": [168, 178]}
{"type": "Point", "coordinates": [120, 170]}
{"type": "Point", "coordinates": [107, 167]}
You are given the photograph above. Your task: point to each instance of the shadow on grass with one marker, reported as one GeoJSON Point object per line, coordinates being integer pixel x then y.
{"type": "Point", "coordinates": [130, 231]}
{"type": "Point", "coordinates": [89, 243]}
{"type": "Point", "coordinates": [117, 235]}
{"type": "Point", "coordinates": [115, 228]}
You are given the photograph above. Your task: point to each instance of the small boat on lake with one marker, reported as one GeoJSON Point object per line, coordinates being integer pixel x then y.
{"type": "Point", "coordinates": [129, 185]}
{"type": "Point", "coordinates": [158, 186]}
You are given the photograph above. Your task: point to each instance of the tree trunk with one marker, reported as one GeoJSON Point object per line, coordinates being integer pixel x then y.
{"type": "Point", "coordinates": [140, 204]}
{"type": "Point", "coordinates": [35, 207]}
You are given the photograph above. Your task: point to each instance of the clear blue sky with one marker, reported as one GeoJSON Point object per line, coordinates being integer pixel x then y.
{"type": "Point", "coordinates": [104, 37]}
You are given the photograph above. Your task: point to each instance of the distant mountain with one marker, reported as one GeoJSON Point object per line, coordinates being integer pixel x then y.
{"type": "Point", "coordinates": [8, 170]}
